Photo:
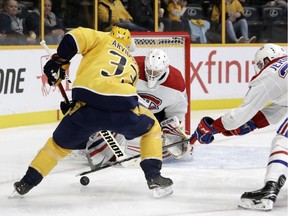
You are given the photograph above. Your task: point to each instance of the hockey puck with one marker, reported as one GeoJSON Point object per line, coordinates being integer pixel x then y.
{"type": "Point", "coordinates": [84, 180]}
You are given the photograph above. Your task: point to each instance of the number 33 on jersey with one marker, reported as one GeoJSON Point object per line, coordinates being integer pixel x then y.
{"type": "Point", "coordinates": [116, 68]}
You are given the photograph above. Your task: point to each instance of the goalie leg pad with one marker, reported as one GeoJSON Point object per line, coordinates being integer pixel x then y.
{"type": "Point", "coordinates": [97, 150]}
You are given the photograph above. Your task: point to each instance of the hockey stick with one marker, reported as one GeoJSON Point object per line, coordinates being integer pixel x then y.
{"type": "Point", "coordinates": [99, 167]}
{"type": "Point", "coordinates": [106, 135]}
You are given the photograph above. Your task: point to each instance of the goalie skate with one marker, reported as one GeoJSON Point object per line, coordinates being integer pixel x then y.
{"type": "Point", "coordinates": [264, 198]}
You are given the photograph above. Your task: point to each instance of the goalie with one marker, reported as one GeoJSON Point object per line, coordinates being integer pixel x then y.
{"type": "Point", "coordinates": [161, 88]}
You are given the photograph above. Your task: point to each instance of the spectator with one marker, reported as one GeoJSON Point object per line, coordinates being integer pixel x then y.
{"type": "Point", "coordinates": [143, 15]}
{"type": "Point", "coordinates": [119, 16]}
{"type": "Point", "coordinates": [235, 21]}
{"type": "Point", "coordinates": [175, 11]}
{"type": "Point", "coordinates": [164, 5]}
{"type": "Point", "coordinates": [12, 28]}
{"type": "Point", "coordinates": [75, 13]}
{"type": "Point", "coordinates": [53, 26]}
{"type": "Point", "coordinates": [199, 28]}
{"type": "Point", "coordinates": [164, 21]}
{"type": "Point", "coordinates": [242, 2]}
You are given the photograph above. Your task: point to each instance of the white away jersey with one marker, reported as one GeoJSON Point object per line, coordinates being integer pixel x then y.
{"type": "Point", "coordinates": [269, 86]}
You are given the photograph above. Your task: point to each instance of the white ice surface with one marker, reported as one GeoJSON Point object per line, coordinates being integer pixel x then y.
{"type": "Point", "coordinates": [209, 185]}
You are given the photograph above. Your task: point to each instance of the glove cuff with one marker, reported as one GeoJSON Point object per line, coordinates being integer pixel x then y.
{"type": "Point", "coordinates": [59, 60]}
{"type": "Point", "coordinates": [218, 125]}
{"type": "Point", "coordinates": [260, 120]}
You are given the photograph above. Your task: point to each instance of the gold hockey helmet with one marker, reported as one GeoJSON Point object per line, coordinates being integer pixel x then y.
{"type": "Point", "coordinates": [123, 36]}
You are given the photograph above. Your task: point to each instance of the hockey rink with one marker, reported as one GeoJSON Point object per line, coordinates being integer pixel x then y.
{"type": "Point", "coordinates": [210, 184]}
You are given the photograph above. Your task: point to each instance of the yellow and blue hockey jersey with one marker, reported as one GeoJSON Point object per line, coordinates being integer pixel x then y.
{"type": "Point", "coordinates": [108, 73]}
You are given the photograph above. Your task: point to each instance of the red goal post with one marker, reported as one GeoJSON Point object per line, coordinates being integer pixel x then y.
{"type": "Point", "coordinates": [177, 47]}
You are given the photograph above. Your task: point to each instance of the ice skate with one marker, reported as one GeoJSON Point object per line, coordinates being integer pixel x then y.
{"type": "Point", "coordinates": [22, 187]}
{"type": "Point", "coordinates": [262, 199]}
{"type": "Point", "coordinates": [161, 186]}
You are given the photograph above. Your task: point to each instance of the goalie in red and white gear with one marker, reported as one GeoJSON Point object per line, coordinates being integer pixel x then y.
{"type": "Point", "coordinates": [268, 86]}
{"type": "Point", "coordinates": [161, 88]}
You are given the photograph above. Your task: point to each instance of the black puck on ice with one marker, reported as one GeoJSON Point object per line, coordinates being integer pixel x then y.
{"type": "Point", "coordinates": [84, 180]}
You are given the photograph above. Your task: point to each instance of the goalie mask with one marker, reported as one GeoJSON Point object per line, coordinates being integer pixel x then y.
{"type": "Point", "coordinates": [267, 53]}
{"type": "Point", "coordinates": [123, 36]}
{"type": "Point", "coordinates": [156, 67]}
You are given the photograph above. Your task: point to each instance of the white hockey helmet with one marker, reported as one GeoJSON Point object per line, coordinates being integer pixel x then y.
{"type": "Point", "coordinates": [267, 53]}
{"type": "Point", "coordinates": [156, 67]}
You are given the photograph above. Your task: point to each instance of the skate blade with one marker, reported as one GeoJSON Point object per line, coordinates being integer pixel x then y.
{"type": "Point", "coordinates": [13, 194]}
{"type": "Point", "coordinates": [259, 205]}
{"type": "Point", "coordinates": [162, 192]}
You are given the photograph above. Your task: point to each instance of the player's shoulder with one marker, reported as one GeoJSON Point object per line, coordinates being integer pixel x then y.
{"type": "Point", "coordinates": [275, 68]}
{"type": "Point", "coordinates": [175, 79]}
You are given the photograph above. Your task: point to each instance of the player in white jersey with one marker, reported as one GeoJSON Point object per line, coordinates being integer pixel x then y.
{"type": "Point", "coordinates": [162, 90]}
{"type": "Point", "coordinates": [269, 85]}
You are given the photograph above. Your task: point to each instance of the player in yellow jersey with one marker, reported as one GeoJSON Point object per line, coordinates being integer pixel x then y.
{"type": "Point", "coordinates": [105, 98]}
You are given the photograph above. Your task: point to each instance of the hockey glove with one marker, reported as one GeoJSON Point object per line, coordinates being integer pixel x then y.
{"type": "Point", "coordinates": [55, 68]}
{"type": "Point", "coordinates": [204, 132]}
{"type": "Point", "coordinates": [173, 132]}
{"type": "Point", "coordinates": [244, 129]}
{"type": "Point", "coordinates": [66, 106]}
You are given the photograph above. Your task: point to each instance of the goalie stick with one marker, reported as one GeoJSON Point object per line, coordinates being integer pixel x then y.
{"type": "Point", "coordinates": [106, 135]}
{"type": "Point", "coordinates": [99, 167]}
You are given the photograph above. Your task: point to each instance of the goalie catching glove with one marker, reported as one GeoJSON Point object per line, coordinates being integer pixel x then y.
{"type": "Point", "coordinates": [172, 132]}
{"type": "Point", "coordinates": [55, 69]}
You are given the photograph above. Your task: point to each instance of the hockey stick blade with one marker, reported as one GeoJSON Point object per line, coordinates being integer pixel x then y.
{"type": "Point", "coordinates": [128, 159]}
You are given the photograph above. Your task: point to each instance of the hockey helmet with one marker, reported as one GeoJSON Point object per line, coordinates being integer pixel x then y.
{"type": "Point", "coordinates": [123, 36]}
{"type": "Point", "coordinates": [267, 53]}
{"type": "Point", "coordinates": [156, 67]}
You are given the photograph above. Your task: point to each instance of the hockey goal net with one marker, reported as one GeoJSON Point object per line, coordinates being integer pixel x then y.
{"type": "Point", "coordinates": [177, 47]}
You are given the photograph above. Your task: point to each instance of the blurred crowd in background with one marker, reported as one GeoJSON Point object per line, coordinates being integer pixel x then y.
{"type": "Point", "coordinates": [246, 21]}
